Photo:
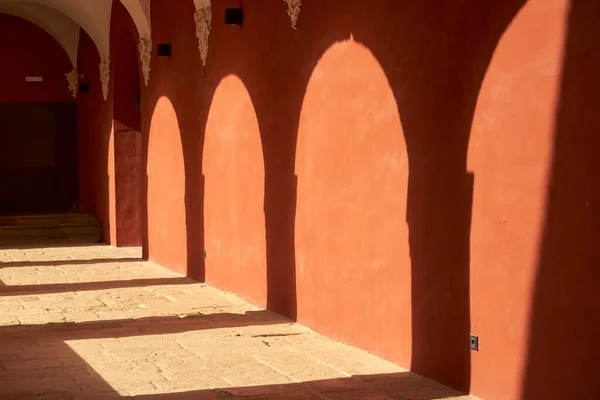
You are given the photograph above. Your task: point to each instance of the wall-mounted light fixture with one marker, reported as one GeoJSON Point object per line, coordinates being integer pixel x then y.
{"type": "Point", "coordinates": [234, 16]}
{"type": "Point", "coordinates": [164, 50]}
{"type": "Point", "coordinates": [84, 88]}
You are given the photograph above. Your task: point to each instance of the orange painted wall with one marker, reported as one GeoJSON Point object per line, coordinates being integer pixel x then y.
{"type": "Point", "coordinates": [171, 145]}
{"type": "Point", "coordinates": [234, 177]}
{"type": "Point", "coordinates": [510, 154]}
{"type": "Point", "coordinates": [395, 175]}
{"type": "Point", "coordinates": [352, 253]}
{"type": "Point", "coordinates": [166, 190]}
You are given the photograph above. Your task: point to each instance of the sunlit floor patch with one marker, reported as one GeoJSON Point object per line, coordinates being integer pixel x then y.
{"type": "Point", "coordinates": [98, 323]}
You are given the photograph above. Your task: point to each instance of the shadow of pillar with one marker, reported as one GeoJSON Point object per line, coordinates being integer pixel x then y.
{"type": "Point", "coordinates": [563, 344]}
{"type": "Point", "coordinates": [280, 219]}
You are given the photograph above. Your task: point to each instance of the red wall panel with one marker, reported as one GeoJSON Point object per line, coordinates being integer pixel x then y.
{"type": "Point", "coordinates": [127, 127]}
{"type": "Point", "coordinates": [414, 182]}
{"type": "Point", "coordinates": [35, 53]}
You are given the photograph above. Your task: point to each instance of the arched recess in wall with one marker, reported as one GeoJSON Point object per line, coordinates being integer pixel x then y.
{"type": "Point", "coordinates": [352, 253]}
{"type": "Point", "coordinates": [234, 176]}
{"type": "Point", "coordinates": [167, 231]}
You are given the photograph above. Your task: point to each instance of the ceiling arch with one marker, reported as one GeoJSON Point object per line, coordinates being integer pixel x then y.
{"type": "Point", "coordinates": [64, 30]}
{"type": "Point", "coordinates": [140, 13]}
{"type": "Point", "coordinates": [63, 18]}
{"type": "Point", "coordinates": [92, 16]}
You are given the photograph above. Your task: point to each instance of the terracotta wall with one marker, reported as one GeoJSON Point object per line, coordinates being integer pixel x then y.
{"type": "Point", "coordinates": [395, 175]}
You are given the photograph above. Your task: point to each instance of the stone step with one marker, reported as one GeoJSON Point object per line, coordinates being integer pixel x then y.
{"type": "Point", "coordinates": [50, 228]}
{"type": "Point", "coordinates": [49, 219]}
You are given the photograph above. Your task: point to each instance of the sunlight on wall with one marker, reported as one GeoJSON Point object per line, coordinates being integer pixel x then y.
{"type": "Point", "coordinates": [352, 250]}
{"type": "Point", "coordinates": [510, 154]}
{"type": "Point", "coordinates": [234, 173]}
{"type": "Point", "coordinates": [167, 240]}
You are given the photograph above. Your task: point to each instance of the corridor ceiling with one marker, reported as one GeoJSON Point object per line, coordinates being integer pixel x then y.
{"type": "Point", "coordinates": [63, 18]}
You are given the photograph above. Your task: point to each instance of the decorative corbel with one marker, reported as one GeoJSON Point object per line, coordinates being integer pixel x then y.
{"type": "Point", "coordinates": [105, 77]}
{"type": "Point", "coordinates": [294, 8]}
{"type": "Point", "coordinates": [145, 49]}
{"type": "Point", "coordinates": [73, 80]}
{"type": "Point", "coordinates": [203, 18]}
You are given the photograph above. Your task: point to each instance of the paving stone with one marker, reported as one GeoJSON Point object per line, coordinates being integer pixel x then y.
{"type": "Point", "coordinates": [31, 364]}
{"type": "Point", "coordinates": [91, 323]}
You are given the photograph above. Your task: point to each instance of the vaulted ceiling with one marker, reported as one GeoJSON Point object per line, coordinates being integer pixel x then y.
{"type": "Point", "coordinates": [63, 18]}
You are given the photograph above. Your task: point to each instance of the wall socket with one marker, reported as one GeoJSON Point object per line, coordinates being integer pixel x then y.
{"type": "Point", "coordinates": [474, 342]}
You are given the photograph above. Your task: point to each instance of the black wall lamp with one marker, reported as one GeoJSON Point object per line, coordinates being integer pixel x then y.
{"type": "Point", "coordinates": [163, 49]}
{"type": "Point", "coordinates": [234, 16]}
{"type": "Point", "coordinates": [84, 88]}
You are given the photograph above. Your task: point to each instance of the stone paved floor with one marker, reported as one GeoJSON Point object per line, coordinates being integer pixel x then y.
{"type": "Point", "coordinates": [97, 323]}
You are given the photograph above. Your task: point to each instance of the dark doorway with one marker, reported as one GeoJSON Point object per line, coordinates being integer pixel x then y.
{"type": "Point", "coordinates": [38, 157]}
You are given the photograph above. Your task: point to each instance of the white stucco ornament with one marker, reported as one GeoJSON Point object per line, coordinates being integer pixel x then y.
{"type": "Point", "coordinates": [294, 8]}
{"type": "Point", "coordinates": [73, 80]}
{"type": "Point", "coordinates": [105, 77]}
{"type": "Point", "coordinates": [145, 49]}
{"type": "Point", "coordinates": [203, 18]}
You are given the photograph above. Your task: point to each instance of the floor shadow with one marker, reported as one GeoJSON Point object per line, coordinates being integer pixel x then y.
{"type": "Point", "coordinates": [140, 326]}
{"type": "Point", "coordinates": [24, 290]}
{"type": "Point", "coordinates": [39, 363]}
{"type": "Point", "coordinates": [45, 362]}
{"type": "Point", "coordinates": [406, 385]}
{"type": "Point", "coordinates": [18, 264]}
{"type": "Point", "coordinates": [564, 346]}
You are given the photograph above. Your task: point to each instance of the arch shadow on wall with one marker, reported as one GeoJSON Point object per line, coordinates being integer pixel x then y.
{"type": "Point", "coordinates": [563, 348]}
{"type": "Point", "coordinates": [435, 80]}
{"type": "Point", "coordinates": [428, 71]}
{"type": "Point", "coordinates": [182, 94]}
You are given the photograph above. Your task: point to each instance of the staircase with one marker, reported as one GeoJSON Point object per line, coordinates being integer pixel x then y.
{"type": "Point", "coordinates": [72, 228]}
